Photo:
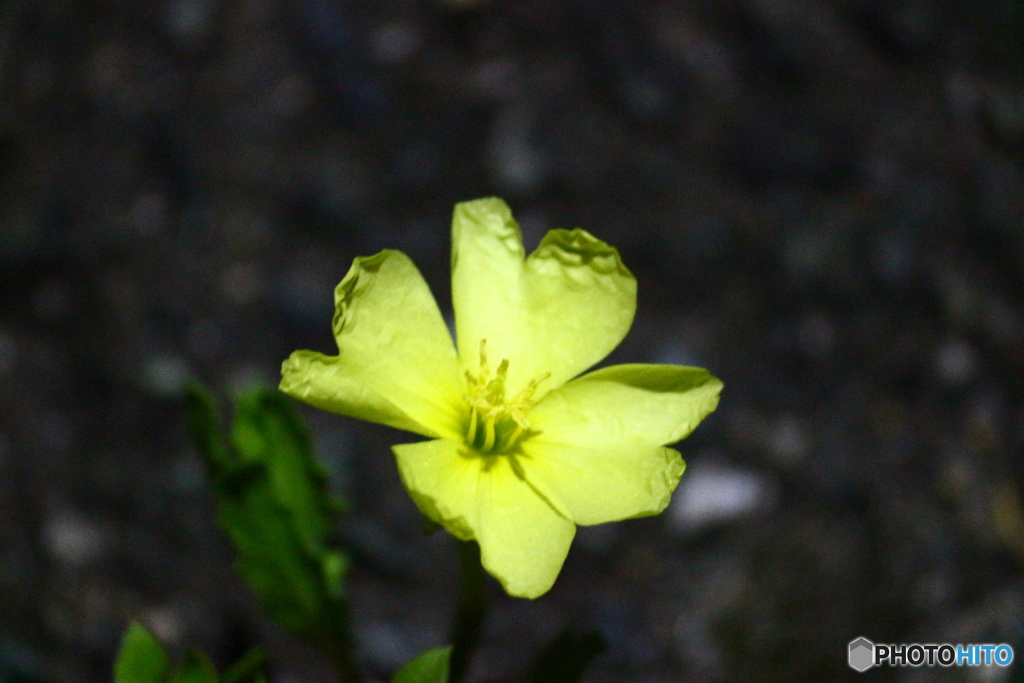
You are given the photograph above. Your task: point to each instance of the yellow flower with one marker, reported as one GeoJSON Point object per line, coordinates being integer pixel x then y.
{"type": "Point", "coordinates": [519, 451]}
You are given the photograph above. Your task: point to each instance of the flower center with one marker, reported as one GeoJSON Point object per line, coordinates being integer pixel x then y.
{"type": "Point", "coordinates": [495, 423]}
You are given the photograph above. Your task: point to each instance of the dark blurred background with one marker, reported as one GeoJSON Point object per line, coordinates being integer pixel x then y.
{"type": "Point", "coordinates": [822, 201]}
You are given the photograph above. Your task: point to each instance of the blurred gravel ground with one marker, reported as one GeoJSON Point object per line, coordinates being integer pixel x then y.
{"type": "Point", "coordinates": [823, 203]}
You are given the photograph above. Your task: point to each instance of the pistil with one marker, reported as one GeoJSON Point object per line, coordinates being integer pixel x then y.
{"type": "Point", "coordinates": [489, 433]}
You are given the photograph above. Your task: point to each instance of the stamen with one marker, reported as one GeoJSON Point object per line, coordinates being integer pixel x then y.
{"type": "Point", "coordinates": [515, 435]}
{"type": "Point", "coordinates": [472, 425]}
{"type": "Point", "coordinates": [502, 421]}
{"type": "Point", "coordinates": [527, 392]}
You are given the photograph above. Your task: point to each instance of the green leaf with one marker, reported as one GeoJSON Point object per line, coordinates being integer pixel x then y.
{"type": "Point", "coordinates": [141, 658]}
{"type": "Point", "coordinates": [274, 504]}
{"type": "Point", "coordinates": [248, 669]}
{"type": "Point", "coordinates": [429, 667]}
{"type": "Point", "coordinates": [267, 429]}
{"type": "Point", "coordinates": [195, 668]}
{"type": "Point", "coordinates": [287, 574]}
{"type": "Point", "coordinates": [566, 658]}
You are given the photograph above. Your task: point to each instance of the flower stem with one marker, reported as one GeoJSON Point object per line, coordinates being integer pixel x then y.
{"type": "Point", "coordinates": [470, 611]}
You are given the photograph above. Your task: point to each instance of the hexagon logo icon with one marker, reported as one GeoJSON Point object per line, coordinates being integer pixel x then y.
{"type": "Point", "coordinates": [862, 654]}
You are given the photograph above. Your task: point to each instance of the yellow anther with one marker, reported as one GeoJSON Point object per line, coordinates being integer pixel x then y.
{"type": "Point", "coordinates": [483, 358]}
{"type": "Point", "coordinates": [526, 393]}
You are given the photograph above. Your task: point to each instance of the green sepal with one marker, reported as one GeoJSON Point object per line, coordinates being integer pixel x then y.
{"type": "Point", "coordinates": [566, 658]}
{"type": "Point", "coordinates": [141, 658]}
{"type": "Point", "coordinates": [429, 667]}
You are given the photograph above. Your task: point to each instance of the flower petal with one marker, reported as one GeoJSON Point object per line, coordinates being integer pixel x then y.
{"type": "Point", "coordinates": [624, 405]}
{"type": "Point", "coordinates": [593, 485]}
{"type": "Point", "coordinates": [560, 311]}
{"type": "Point", "coordinates": [442, 478]}
{"type": "Point", "coordinates": [396, 363]}
{"type": "Point", "coordinates": [523, 541]}
{"type": "Point", "coordinates": [487, 272]}
{"type": "Point", "coordinates": [329, 383]}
